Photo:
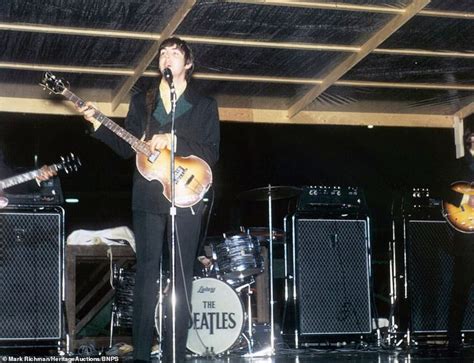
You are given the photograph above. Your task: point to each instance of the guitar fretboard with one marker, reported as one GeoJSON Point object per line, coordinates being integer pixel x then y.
{"type": "Point", "coordinates": [134, 142]}
{"type": "Point", "coordinates": [22, 178]}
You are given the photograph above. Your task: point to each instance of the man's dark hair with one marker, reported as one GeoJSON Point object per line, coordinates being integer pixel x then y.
{"type": "Point", "coordinates": [184, 47]}
{"type": "Point", "coordinates": [468, 131]}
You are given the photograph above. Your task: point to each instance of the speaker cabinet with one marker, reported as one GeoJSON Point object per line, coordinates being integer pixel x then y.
{"type": "Point", "coordinates": [331, 266]}
{"type": "Point", "coordinates": [429, 273]}
{"type": "Point", "coordinates": [31, 273]}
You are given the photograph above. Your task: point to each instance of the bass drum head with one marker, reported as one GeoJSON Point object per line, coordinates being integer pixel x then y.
{"type": "Point", "coordinates": [217, 317]}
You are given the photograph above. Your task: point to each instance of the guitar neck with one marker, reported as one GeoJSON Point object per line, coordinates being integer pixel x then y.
{"type": "Point", "coordinates": [23, 178]}
{"type": "Point", "coordinates": [134, 142]}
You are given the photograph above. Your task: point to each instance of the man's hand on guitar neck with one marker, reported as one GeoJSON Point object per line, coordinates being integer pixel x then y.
{"type": "Point", "coordinates": [46, 173]}
{"type": "Point", "coordinates": [157, 142]}
{"type": "Point", "coordinates": [161, 141]}
{"type": "Point", "coordinates": [468, 199]}
{"type": "Point", "coordinates": [88, 111]}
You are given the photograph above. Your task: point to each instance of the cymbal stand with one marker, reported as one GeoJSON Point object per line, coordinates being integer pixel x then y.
{"type": "Point", "coordinates": [271, 350]}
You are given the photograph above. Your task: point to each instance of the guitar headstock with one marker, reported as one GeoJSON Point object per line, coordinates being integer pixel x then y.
{"type": "Point", "coordinates": [53, 84]}
{"type": "Point", "coordinates": [69, 163]}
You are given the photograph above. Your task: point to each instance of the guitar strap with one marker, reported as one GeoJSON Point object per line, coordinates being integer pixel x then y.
{"type": "Point", "coordinates": [151, 95]}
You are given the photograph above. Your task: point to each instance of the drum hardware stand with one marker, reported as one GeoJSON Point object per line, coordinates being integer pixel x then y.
{"type": "Point", "coordinates": [288, 277]}
{"type": "Point", "coordinates": [270, 272]}
{"type": "Point", "coordinates": [265, 194]}
{"type": "Point", "coordinates": [392, 327]}
{"type": "Point", "coordinates": [159, 308]}
{"type": "Point", "coordinates": [265, 351]}
{"type": "Point", "coordinates": [248, 338]}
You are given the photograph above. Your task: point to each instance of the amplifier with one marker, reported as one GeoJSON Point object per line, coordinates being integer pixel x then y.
{"type": "Point", "coordinates": [313, 198]}
{"type": "Point", "coordinates": [329, 292]}
{"type": "Point", "coordinates": [49, 194]}
{"type": "Point", "coordinates": [31, 273]}
{"type": "Point", "coordinates": [419, 200]}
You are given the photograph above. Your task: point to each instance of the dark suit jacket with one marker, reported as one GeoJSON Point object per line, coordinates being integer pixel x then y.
{"type": "Point", "coordinates": [197, 133]}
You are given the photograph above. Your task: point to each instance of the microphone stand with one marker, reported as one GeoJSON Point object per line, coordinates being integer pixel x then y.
{"type": "Point", "coordinates": [173, 219]}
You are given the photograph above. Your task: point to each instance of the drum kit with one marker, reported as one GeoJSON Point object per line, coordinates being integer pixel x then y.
{"type": "Point", "coordinates": [220, 320]}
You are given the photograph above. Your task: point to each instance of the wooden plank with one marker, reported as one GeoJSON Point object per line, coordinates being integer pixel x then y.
{"type": "Point", "coordinates": [335, 118]}
{"type": "Point", "coordinates": [248, 114]}
{"type": "Point", "coordinates": [55, 107]}
{"type": "Point", "coordinates": [151, 53]}
{"type": "Point", "coordinates": [239, 77]}
{"type": "Point", "coordinates": [235, 42]}
{"type": "Point", "coordinates": [327, 5]}
{"type": "Point", "coordinates": [94, 310]}
{"type": "Point", "coordinates": [341, 69]}
{"type": "Point", "coordinates": [465, 111]}
{"type": "Point", "coordinates": [374, 119]}
{"type": "Point", "coordinates": [340, 6]}
{"type": "Point", "coordinates": [99, 284]}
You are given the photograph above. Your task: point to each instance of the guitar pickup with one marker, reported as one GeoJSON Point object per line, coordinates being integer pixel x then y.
{"type": "Point", "coordinates": [152, 158]}
{"type": "Point", "coordinates": [179, 173]}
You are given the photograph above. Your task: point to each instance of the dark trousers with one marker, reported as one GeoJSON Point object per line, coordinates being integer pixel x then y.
{"type": "Point", "coordinates": [151, 231]}
{"type": "Point", "coordinates": [463, 276]}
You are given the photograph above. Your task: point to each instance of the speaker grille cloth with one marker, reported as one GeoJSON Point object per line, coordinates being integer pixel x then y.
{"type": "Point", "coordinates": [332, 276]}
{"type": "Point", "coordinates": [30, 276]}
{"type": "Point", "coordinates": [430, 269]}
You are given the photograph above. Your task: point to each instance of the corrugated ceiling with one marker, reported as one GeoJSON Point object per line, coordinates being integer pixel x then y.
{"type": "Point", "coordinates": [405, 63]}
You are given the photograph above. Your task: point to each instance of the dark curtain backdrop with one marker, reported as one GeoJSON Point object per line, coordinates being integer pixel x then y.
{"type": "Point", "coordinates": [384, 162]}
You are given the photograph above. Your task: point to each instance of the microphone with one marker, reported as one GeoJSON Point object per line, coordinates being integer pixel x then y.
{"type": "Point", "coordinates": [168, 75]}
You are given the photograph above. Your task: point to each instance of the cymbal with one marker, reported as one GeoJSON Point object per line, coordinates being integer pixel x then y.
{"type": "Point", "coordinates": [276, 192]}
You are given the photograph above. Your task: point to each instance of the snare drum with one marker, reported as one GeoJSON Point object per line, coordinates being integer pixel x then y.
{"type": "Point", "coordinates": [238, 256]}
{"type": "Point", "coordinates": [217, 317]}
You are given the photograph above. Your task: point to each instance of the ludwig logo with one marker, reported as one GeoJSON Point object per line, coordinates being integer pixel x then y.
{"type": "Point", "coordinates": [204, 289]}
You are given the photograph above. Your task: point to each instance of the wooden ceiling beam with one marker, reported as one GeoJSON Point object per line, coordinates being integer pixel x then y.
{"type": "Point", "coordinates": [345, 83]}
{"type": "Point", "coordinates": [152, 51]}
{"type": "Point", "coordinates": [53, 106]}
{"type": "Point", "coordinates": [465, 111]}
{"type": "Point", "coordinates": [233, 42]}
{"type": "Point", "coordinates": [339, 70]}
{"type": "Point", "coordinates": [68, 69]}
{"type": "Point", "coordinates": [447, 14]}
{"type": "Point", "coordinates": [238, 78]}
{"type": "Point", "coordinates": [254, 115]}
{"type": "Point", "coordinates": [247, 115]}
{"type": "Point", "coordinates": [73, 31]}
{"type": "Point", "coordinates": [323, 5]}
{"type": "Point", "coordinates": [338, 6]}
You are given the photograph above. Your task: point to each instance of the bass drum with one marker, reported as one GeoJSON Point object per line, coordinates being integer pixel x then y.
{"type": "Point", "coordinates": [217, 317]}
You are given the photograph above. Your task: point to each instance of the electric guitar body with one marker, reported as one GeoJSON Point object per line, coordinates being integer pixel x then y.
{"type": "Point", "coordinates": [192, 176]}
{"type": "Point", "coordinates": [461, 218]}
